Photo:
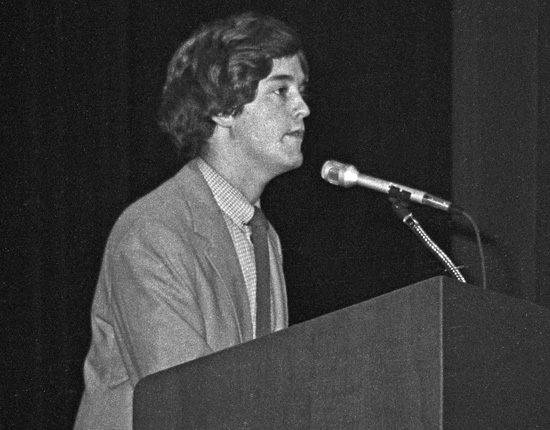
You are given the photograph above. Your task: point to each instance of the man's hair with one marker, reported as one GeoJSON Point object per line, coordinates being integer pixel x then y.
{"type": "Point", "coordinates": [216, 72]}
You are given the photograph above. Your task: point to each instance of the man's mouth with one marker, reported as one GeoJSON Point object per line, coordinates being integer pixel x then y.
{"type": "Point", "coordinates": [297, 133]}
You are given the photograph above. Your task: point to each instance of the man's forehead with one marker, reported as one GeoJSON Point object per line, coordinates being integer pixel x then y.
{"type": "Point", "coordinates": [288, 69]}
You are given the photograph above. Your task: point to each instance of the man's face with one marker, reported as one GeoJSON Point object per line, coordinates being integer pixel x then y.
{"type": "Point", "coordinates": [269, 131]}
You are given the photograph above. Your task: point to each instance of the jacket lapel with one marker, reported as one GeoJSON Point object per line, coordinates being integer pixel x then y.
{"type": "Point", "coordinates": [209, 225]}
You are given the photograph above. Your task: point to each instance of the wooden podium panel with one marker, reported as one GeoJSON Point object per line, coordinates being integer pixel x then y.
{"type": "Point", "coordinates": [435, 355]}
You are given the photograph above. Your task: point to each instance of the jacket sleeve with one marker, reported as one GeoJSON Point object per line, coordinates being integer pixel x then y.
{"type": "Point", "coordinates": [158, 320]}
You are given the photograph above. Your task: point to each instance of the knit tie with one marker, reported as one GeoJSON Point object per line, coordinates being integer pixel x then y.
{"type": "Point", "coordinates": [259, 226]}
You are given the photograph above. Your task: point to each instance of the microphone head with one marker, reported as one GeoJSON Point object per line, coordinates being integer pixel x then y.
{"type": "Point", "coordinates": [336, 173]}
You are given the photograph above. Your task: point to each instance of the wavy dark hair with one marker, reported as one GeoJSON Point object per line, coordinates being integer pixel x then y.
{"type": "Point", "coordinates": [216, 72]}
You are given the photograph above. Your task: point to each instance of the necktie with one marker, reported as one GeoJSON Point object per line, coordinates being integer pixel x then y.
{"type": "Point", "coordinates": [259, 226]}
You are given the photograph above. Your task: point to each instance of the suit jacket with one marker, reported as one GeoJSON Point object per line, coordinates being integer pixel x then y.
{"type": "Point", "coordinates": [170, 290]}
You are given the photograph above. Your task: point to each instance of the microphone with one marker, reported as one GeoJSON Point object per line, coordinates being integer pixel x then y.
{"type": "Point", "coordinates": [346, 175]}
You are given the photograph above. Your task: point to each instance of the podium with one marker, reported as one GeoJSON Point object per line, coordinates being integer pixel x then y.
{"type": "Point", "coordinates": [438, 354]}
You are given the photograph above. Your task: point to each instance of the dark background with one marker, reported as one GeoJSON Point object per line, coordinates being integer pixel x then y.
{"type": "Point", "coordinates": [81, 83]}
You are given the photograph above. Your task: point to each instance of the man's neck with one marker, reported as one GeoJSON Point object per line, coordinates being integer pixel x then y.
{"type": "Point", "coordinates": [243, 179]}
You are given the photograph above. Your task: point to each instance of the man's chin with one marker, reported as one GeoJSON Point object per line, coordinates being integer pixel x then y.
{"type": "Point", "coordinates": [294, 162]}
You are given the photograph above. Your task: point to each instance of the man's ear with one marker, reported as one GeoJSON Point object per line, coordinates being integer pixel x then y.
{"type": "Point", "coordinates": [223, 120]}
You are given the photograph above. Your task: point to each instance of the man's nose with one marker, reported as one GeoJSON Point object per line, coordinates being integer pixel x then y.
{"type": "Point", "coordinates": [302, 109]}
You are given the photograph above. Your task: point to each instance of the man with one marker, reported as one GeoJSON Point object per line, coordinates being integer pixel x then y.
{"type": "Point", "coordinates": [178, 279]}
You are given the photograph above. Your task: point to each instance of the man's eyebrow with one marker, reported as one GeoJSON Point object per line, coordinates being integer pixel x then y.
{"type": "Point", "coordinates": [287, 78]}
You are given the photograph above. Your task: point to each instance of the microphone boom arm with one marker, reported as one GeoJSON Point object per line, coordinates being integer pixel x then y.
{"type": "Point", "coordinates": [408, 219]}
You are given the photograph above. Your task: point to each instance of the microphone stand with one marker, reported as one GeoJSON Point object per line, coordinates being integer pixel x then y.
{"type": "Point", "coordinates": [402, 211]}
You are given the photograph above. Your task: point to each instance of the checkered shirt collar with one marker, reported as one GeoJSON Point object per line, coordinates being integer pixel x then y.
{"type": "Point", "coordinates": [230, 200]}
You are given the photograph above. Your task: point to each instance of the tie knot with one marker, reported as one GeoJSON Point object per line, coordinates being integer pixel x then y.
{"type": "Point", "coordinates": [258, 221]}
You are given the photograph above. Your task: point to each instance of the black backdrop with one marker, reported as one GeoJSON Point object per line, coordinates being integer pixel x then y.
{"type": "Point", "coordinates": [80, 89]}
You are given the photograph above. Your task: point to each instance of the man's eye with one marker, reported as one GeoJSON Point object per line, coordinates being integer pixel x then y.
{"type": "Point", "coordinates": [282, 91]}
